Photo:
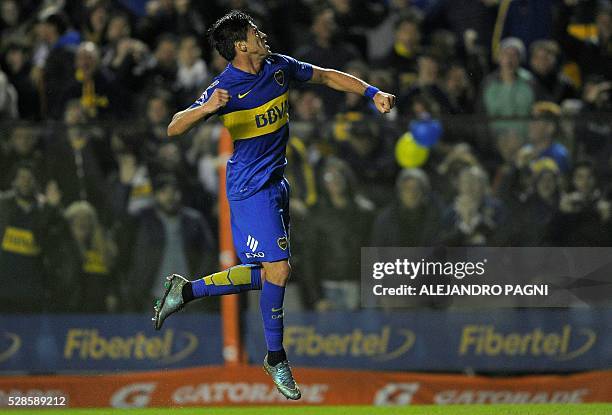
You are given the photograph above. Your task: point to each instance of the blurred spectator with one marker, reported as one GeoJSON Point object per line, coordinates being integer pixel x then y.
{"type": "Point", "coordinates": [336, 231]}
{"type": "Point", "coordinates": [475, 217]}
{"type": "Point", "coordinates": [507, 181]}
{"type": "Point", "coordinates": [8, 99]}
{"type": "Point", "coordinates": [465, 16]}
{"type": "Point", "coordinates": [550, 83]}
{"type": "Point", "coordinates": [583, 217]}
{"type": "Point", "coordinates": [158, 114]}
{"type": "Point", "coordinates": [402, 59]}
{"type": "Point", "coordinates": [353, 17]}
{"type": "Point", "coordinates": [130, 186]}
{"type": "Point", "coordinates": [22, 146]}
{"type": "Point", "coordinates": [593, 128]}
{"type": "Point", "coordinates": [507, 92]}
{"type": "Point", "coordinates": [413, 218]}
{"type": "Point", "coordinates": [53, 61]}
{"type": "Point", "coordinates": [93, 85]}
{"type": "Point", "coordinates": [325, 50]}
{"type": "Point", "coordinates": [542, 143]}
{"type": "Point", "coordinates": [459, 157]}
{"type": "Point", "coordinates": [367, 150]}
{"type": "Point", "coordinates": [170, 16]}
{"type": "Point", "coordinates": [459, 90]}
{"type": "Point", "coordinates": [123, 55]}
{"type": "Point", "coordinates": [426, 86]}
{"type": "Point", "coordinates": [96, 277]}
{"type": "Point", "coordinates": [162, 69]}
{"type": "Point", "coordinates": [96, 23]}
{"type": "Point", "coordinates": [74, 160]}
{"type": "Point", "coordinates": [32, 270]}
{"type": "Point", "coordinates": [159, 241]}
{"type": "Point", "coordinates": [593, 55]}
{"type": "Point", "coordinates": [11, 28]}
{"type": "Point", "coordinates": [17, 65]}
{"type": "Point", "coordinates": [192, 70]}
{"type": "Point", "coordinates": [532, 216]}
{"type": "Point", "coordinates": [169, 159]}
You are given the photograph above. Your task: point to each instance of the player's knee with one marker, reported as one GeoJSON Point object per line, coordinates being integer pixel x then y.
{"type": "Point", "coordinates": [277, 272]}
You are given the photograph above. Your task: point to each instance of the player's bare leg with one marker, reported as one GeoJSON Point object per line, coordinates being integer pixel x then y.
{"type": "Point", "coordinates": [271, 302]}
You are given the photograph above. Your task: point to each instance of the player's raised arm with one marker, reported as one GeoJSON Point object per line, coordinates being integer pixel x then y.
{"type": "Point", "coordinates": [344, 82]}
{"type": "Point", "coordinates": [182, 121]}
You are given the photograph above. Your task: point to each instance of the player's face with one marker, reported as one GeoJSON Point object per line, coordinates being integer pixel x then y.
{"type": "Point", "coordinates": [256, 40]}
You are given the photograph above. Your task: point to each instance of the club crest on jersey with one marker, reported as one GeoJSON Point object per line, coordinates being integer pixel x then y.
{"type": "Point", "coordinates": [279, 77]}
{"type": "Point", "coordinates": [282, 243]}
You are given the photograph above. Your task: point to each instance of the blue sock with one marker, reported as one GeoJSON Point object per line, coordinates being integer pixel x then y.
{"type": "Point", "coordinates": [271, 304]}
{"type": "Point", "coordinates": [230, 281]}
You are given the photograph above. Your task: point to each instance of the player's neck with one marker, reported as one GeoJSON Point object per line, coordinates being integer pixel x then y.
{"type": "Point", "coordinates": [249, 63]}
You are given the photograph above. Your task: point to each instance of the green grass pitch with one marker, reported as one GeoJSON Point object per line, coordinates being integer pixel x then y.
{"type": "Point", "coordinates": [548, 409]}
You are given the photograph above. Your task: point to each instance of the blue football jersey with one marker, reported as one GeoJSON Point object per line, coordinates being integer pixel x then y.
{"type": "Point", "coordinates": [257, 117]}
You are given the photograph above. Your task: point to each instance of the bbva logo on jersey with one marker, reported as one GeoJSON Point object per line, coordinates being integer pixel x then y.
{"type": "Point", "coordinates": [272, 115]}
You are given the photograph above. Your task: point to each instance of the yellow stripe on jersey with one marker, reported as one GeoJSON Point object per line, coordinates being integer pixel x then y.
{"type": "Point", "coordinates": [265, 119]}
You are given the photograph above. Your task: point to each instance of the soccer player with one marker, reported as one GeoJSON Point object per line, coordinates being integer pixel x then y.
{"type": "Point", "coordinates": [251, 99]}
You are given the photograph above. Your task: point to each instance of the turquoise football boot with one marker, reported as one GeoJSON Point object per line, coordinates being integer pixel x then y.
{"type": "Point", "coordinates": [172, 301]}
{"type": "Point", "coordinates": [283, 379]}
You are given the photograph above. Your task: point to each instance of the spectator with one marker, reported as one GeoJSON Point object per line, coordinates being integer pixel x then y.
{"type": "Point", "coordinates": [130, 186]}
{"type": "Point", "coordinates": [531, 221]}
{"type": "Point", "coordinates": [402, 59]}
{"type": "Point", "coordinates": [162, 68]}
{"type": "Point", "coordinates": [74, 160]}
{"type": "Point", "coordinates": [53, 62]}
{"type": "Point", "coordinates": [583, 217]}
{"type": "Point", "coordinates": [11, 27]}
{"type": "Point", "coordinates": [93, 85]}
{"type": "Point", "coordinates": [32, 270]}
{"type": "Point", "coordinates": [475, 217]}
{"type": "Point", "coordinates": [96, 276]}
{"type": "Point", "coordinates": [593, 128]}
{"type": "Point", "coordinates": [8, 99]}
{"type": "Point", "coordinates": [550, 83]}
{"type": "Point", "coordinates": [158, 116]}
{"type": "Point", "coordinates": [170, 16]}
{"type": "Point", "coordinates": [192, 70]}
{"type": "Point", "coordinates": [169, 159]}
{"type": "Point", "coordinates": [459, 90]}
{"type": "Point", "coordinates": [96, 24]}
{"type": "Point", "coordinates": [17, 66]}
{"type": "Point", "coordinates": [594, 56]}
{"type": "Point", "coordinates": [426, 86]}
{"type": "Point", "coordinates": [542, 144]}
{"type": "Point", "coordinates": [327, 51]}
{"type": "Point", "coordinates": [507, 92]}
{"type": "Point", "coordinates": [22, 146]}
{"type": "Point", "coordinates": [164, 239]}
{"type": "Point", "coordinates": [370, 157]}
{"type": "Point", "coordinates": [413, 218]}
{"type": "Point", "coordinates": [336, 232]}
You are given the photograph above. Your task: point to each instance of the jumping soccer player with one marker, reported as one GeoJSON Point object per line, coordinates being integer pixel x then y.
{"type": "Point", "coordinates": [251, 98]}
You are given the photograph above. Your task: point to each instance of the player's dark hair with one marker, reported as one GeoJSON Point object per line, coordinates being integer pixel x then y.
{"type": "Point", "coordinates": [229, 29]}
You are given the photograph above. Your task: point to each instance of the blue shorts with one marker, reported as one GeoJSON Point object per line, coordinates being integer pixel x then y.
{"type": "Point", "coordinates": [260, 224]}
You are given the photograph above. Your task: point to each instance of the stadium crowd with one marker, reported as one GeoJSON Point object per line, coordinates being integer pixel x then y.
{"type": "Point", "coordinates": [98, 205]}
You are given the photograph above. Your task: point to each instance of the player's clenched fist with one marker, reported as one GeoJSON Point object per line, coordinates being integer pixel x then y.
{"type": "Point", "coordinates": [218, 99]}
{"type": "Point", "coordinates": [384, 102]}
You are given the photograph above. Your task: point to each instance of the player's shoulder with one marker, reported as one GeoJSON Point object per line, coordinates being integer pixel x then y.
{"type": "Point", "coordinates": [279, 58]}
